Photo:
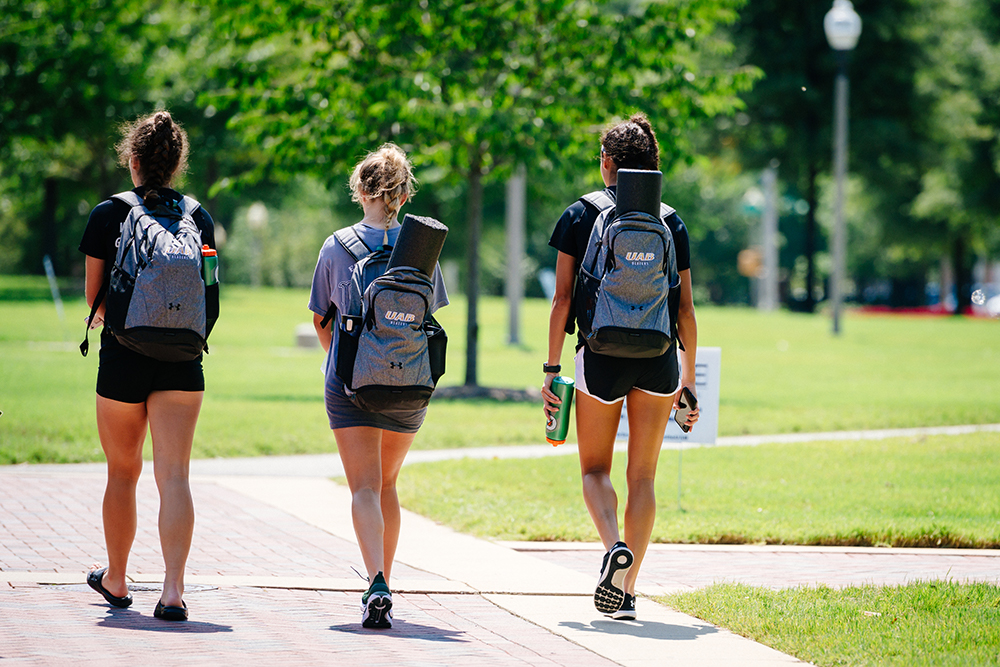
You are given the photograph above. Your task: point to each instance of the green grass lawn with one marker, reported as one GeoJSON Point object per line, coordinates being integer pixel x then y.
{"type": "Point", "coordinates": [933, 491]}
{"type": "Point", "coordinates": [781, 372]}
{"type": "Point", "coordinates": [927, 623]}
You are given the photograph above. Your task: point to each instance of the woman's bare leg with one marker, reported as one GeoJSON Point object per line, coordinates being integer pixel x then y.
{"type": "Point", "coordinates": [647, 421]}
{"type": "Point", "coordinates": [122, 430]}
{"type": "Point", "coordinates": [372, 459]}
{"type": "Point", "coordinates": [596, 427]}
{"type": "Point", "coordinates": [173, 416]}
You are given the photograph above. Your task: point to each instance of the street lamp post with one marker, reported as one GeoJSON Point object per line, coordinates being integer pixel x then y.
{"type": "Point", "coordinates": [257, 216]}
{"type": "Point", "coordinates": [843, 28]}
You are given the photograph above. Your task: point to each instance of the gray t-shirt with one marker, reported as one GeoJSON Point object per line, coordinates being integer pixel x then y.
{"type": "Point", "coordinates": [332, 281]}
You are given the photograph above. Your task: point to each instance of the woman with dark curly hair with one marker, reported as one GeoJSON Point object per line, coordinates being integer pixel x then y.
{"type": "Point", "coordinates": [136, 393]}
{"type": "Point", "coordinates": [652, 385]}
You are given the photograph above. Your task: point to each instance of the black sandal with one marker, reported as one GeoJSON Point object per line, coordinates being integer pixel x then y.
{"type": "Point", "coordinates": [171, 613]}
{"type": "Point", "coordinates": [96, 581]}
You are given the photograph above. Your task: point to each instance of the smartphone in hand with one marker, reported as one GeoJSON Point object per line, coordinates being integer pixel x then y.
{"type": "Point", "coordinates": [685, 405]}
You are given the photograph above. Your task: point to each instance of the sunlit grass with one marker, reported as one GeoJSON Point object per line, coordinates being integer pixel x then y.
{"type": "Point", "coordinates": [781, 372]}
{"type": "Point", "coordinates": [927, 623]}
{"type": "Point", "coordinates": [933, 492]}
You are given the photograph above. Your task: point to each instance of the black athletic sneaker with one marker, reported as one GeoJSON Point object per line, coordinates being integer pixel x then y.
{"type": "Point", "coordinates": [627, 611]}
{"type": "Point", "coordinates": [376, 605]}
{"type": "Point", "coordinates": [610, 594]}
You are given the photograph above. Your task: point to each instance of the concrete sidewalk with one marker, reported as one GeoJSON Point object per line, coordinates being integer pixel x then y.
{"type": "Point", "coordinates": [270, 579]}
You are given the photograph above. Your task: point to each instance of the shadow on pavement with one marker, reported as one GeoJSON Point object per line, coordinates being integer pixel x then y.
{"type": "Point", "coordinates": [650, 629]}
{"type": "Point", "coordinates": [129, 619]}
{"type": "Point", "coordinates": [407, 630]}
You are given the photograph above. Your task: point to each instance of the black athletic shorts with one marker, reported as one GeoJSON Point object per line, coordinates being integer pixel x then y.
{"type": "Point", "coordinates": [130, 377]}
{"type": "Point", "coordinates": [610, 379]}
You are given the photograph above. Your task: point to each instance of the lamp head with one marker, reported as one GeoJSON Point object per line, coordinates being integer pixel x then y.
{"type": "Point", "coordinates": [842, 26]}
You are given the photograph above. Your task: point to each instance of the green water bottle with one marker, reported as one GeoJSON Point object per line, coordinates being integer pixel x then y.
{"type": "Point", "coordinates": [209, 265]}
{"type": "Point", "coordinates": [557, 425]}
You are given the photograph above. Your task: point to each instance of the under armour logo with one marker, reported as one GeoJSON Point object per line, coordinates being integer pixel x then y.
{"type": "Point", "coordinates": [395, 364]}
{"type": "Point", "coordinates": [173, 306]}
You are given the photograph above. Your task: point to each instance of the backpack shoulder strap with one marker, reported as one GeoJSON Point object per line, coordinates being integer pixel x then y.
{"type": "Point", "coordinates": [189, 205]}
{"type": "Point", "coordinates": [599, 199]}
{"type": "Point", "coordinates": [352, 242]}
{"type": "Point", "coordinates": [98, 300]}
{"type": "Point", "coordinates": [666, 211]}
{"type": "Point", "coordinates": [128, 197]}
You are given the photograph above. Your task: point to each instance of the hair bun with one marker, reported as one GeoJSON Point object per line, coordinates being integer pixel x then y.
{"type": "Point", "coordinates": [643, 122]}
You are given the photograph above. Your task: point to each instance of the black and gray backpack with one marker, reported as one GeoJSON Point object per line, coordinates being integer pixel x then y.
{"type": "Point", "coordinates": [628, 286]}
{"type": "Point", "coordinates": [390, 350]}
{"type": "Point", "coordinates": [156, 302]}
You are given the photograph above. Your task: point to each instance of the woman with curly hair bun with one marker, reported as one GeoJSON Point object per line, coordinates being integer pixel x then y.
{"type": "Point", "coordinates": [137, 393]}
{"type": "Point", "coordinates": [652, 385]}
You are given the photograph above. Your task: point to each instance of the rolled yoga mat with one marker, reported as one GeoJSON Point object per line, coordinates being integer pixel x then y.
{"type": "Point", "coordinates": [638, 190]}
{"type": "Point", "coordinates": [419, 243]}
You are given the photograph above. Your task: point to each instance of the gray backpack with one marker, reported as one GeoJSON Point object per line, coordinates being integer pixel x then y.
{"type": "Point", "coordinates": [390, 350]}
{"type": "Point", "coordinates": [628, 286]}
{"type": "Point", "coordinates": [156, 298]}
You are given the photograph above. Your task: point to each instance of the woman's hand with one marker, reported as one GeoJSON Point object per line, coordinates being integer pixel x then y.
{"type": "Point", "coordinates": [548, 397]}
{"type": "Point", "coordinates": [693, 416]}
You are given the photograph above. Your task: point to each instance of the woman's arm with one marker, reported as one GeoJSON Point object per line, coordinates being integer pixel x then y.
{"type": "Point", "coordinates": [94, 280]}
{"type": "Point", "coordinates": [325, 334]}
{"type": "Point", "coordinates": [561, 300]}
{"type": "Point", "coordinates": [687, 330]}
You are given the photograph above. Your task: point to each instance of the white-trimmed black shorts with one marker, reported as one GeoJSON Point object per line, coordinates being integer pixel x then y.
{"type": "Point", "coordinates": [610, 379]}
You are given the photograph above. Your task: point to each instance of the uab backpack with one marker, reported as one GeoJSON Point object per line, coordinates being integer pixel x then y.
{"type": "Point", "coordinates": [628, 286]}
{"type": "Point", "coordinates": [156, 298]}
{"type": "Point", "coordinates": [390, 350]}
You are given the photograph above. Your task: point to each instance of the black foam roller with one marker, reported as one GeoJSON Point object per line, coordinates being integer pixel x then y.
{"type": "Point", "coordinates": [419, 243]}
{"type": "Point", "coordinates": [638, 190]}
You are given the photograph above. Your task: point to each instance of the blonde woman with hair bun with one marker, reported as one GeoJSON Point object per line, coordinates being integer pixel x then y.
{"type": "Point", "coordinates": [385, 179]}
{"type": "Point", "coordinates": [372, 445]}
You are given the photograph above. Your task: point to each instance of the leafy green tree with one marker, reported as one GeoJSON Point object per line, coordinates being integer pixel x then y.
{"type": "Point", "coordinates": [68, 70]}
{"type": "Point", "coordinates": [470, 89]}
{"type": "Point", "coordinates": [789, 113]}
{"type": "Point", "coordinates": [959, 189]}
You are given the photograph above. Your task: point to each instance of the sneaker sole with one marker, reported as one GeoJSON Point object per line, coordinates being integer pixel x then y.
{"type": "Point", "coordinates": [622, 615]}
{"type": "Point", "coordinates": [610, 594]}
{"type": "Point", "coordinates": [377, 612]}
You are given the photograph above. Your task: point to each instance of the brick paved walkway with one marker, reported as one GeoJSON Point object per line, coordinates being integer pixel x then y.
{"type": "Point", "coordinates": [674, 567]}
{"type": "Point", "coordinates": [270, 579]}
{"type": "Point", "coordinates": [70, 624]}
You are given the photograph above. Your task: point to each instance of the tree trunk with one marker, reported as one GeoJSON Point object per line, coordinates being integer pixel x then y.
{"type": "Point", "coordinates": [50, 237]}
{"type": "Point", "coordinates": [211, 176]}
{"type": "Point", "coordinates": [474, 218]}
{"type": "Point", "coordinates": [963, 274]}
{"type": "Point", "coordinates": [810, 302]}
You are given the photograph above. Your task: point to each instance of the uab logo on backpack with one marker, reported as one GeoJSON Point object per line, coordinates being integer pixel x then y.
{"type": "Point", "coordinates": [402, 318]}
{"type": "Point", "coordinates": [640, 256]}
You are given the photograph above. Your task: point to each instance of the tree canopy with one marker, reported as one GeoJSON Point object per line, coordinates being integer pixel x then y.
{"type": "Point", "coordinates": [281, 97]}
{"type": "Point", "coordinates": [475, 88]}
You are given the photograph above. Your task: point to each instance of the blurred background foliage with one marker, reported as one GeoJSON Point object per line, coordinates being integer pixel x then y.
{"type": "Point", "coordinates": [281, 97]}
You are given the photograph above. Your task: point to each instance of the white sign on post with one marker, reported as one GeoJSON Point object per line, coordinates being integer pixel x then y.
{"type": "Point", "coordinates": [708, 363]}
